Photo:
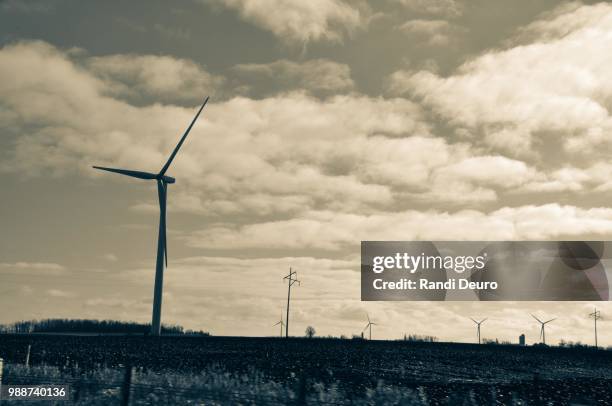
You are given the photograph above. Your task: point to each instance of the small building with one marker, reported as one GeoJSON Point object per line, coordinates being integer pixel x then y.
{"type": "Point", "coordinates": [522, 339]}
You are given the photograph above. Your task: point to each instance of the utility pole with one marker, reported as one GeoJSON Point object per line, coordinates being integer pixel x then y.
{"type": "Point", "coordinates": [596, 315]}
{"type": "Point", "coordinates": [292, 279]}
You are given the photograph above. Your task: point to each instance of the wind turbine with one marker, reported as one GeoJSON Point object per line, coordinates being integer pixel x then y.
{"type": "Point", "coordinates": [478, 323]}
{"type": "Point", "coordinates": [542, 331]}
{"type": "Point", "coordinates": [162, 250]}
{"type": "Point", "coordinates": [282, 324]}
{"type": "Point", "coordinates": [369, 325]}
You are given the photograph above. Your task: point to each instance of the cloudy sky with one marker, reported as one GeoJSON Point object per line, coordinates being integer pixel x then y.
{"type": "Point", "coordinates": [330, 122]}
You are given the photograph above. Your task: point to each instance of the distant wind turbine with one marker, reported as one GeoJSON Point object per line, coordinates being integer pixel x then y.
{"type": "Point", "coordinates": [369, 325]}
{"type": "Point", "coordinates": [478, 323]}
{"type": "Point", "coordinates": [162, 250]}
{"type": "Point", "coordinates": [282, 324]}
{"type": "Point", "coordinates": [542, 331]}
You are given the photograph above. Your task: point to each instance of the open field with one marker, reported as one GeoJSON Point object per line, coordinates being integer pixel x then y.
{"type": "Point", "coordinates": [435, 371]}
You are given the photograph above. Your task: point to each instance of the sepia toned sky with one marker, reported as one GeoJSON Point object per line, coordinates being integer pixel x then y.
{"type": "Point", "coordinates": [330, 122]}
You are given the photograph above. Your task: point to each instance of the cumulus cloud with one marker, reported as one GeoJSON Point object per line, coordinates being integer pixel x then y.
{"type": "Point", "coordinates": [110, 257]}
{"type": "Point", "coordinates": [554, 86]}
{"type": "Point", "coordinates": [301, 21]}
{"type": "Point", "coordinates": [476, 180]}
{"type": "Point", "coordinates": [441, 8]}
{"type": "Point", "coordinates": [562, 20]}
{"type": "Point", "coordinates": [58, 293]}
{"type": "Point", "coordinates": [275, 153]}
{"type": "Point", "coordinates": [487, 170]}
{"type": "Point", "coordinates": [432, 32]}
{"type": "Point", "coordinates": [335, 231]}
{"type": "Point", "coordinates": [595, 178]}
{"type": "Point", "coordinates": [282, 154]}
{"type": "Point", "coordinates": [320, 76]}
{"type": "Point", "coordinates": [161, 78]}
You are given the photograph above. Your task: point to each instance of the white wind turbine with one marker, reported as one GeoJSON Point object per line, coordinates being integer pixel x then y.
{"type": "Point", "coordinates": [369, 325]}
{"type": "Point", "coordinates": [542, 331]}
{"type": "Point", "coordinates": [281, 322]}
{"type": "Point", "coordinates": [478, 323]}
{"type": "Point", "coordinates": [162, 190]}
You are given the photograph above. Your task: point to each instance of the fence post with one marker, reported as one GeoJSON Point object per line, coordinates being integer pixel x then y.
{"type": "Point", "coordinates": [302, 389]}
{"type": "Point", "coordinates": [1, 369]}
{"type": "Point", "coordinates": [27, 360]}
{"type": "Point", "coordinates": [125, 388]}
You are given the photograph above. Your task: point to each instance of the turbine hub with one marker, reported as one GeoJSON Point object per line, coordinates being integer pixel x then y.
{"type": "Point", "coordinates": [167, 179]}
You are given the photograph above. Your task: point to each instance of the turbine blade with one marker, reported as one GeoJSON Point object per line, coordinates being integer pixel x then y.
{"type": "Point", "coordinates": [473, 320]}
{"type": "Point", "coordinates": [368, 316]}
{"type": "Point", "coordinates": [550, 320]}
{"type": "Point", "coordinates": [539, 321]}
{"type": "Point", "coordinates": [483, 320]}
{"type": "Point", "coordinates": [277, 324]}
{"type": "Point", "coordinates": [127, 172]}
{"type": "Point", "coordinates": [366, 327]}
{"type": "Point", "coordinates": [178, 146]}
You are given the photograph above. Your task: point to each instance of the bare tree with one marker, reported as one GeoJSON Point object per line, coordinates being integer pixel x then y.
{"type": "Point", "coordinates": [310, 332]}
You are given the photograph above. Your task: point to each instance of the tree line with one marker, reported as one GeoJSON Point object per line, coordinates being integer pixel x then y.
{"type": "Point", "coordinates": [90, 326]}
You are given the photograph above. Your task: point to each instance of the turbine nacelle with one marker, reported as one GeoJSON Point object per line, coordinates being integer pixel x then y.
{"type": "Point", "coordinates": [167, 179]}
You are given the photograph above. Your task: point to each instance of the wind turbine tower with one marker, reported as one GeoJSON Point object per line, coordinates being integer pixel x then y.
{"type": "Point", "coordinates": [162, 249]}
{"type": "Point", "coordinates": [596, 315]}
{"type": "Point", "coordinates": [292, 278]}
{"type": "Point", "coordinates": [542, 330]}
{"type": "Point", "coordinates": [369, 326]}
{"type": "Point", "coordinates": [282, 324]}
{"type": "Point", "coordinates": [478, 323]}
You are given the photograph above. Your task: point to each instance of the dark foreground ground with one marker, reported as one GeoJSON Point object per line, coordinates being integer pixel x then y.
{"type": "Point", "coordinates": [490, 373]}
